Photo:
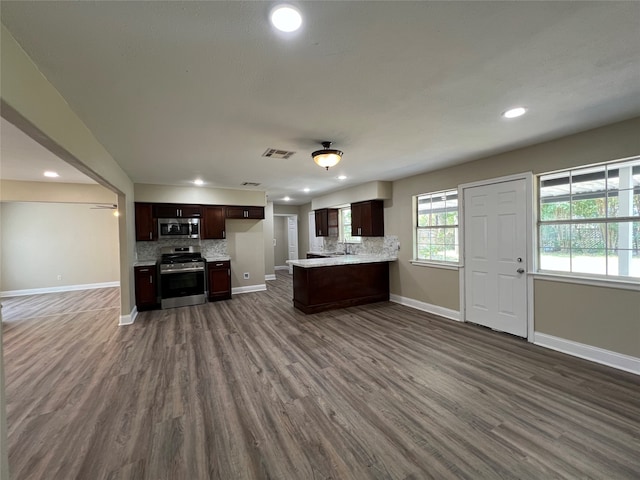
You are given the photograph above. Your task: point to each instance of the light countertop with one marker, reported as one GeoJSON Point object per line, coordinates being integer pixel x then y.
{"type": "Point", "coordinates": [218, 259]}
{"type": "Point", "coordinates": [341, 260]}
{"type": "Point", "coordinates": [144, 263]}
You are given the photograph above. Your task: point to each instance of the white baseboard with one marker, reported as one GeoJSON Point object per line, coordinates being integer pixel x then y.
{"type": "Point", "coordinates": [588, 352]}
{"type": "Point", "coordinates": [65, 288]}
{"type": "Point", "coordinates": [129, 319]}
{"type": "Point", "coordinates": [249, 289]}
{"type": "Point", "coordinates": [281, 267]}
{"type": "Point", "coordinates": [270, 277]}
{"type": "Point", "coordinates": [427, 307]}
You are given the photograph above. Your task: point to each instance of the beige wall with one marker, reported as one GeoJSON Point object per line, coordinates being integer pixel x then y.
{"type": "Point", "coordinates": [30, 102]}
{"type": "Point", "coordinates": [198, 195]}
{"type": "Point", "coordinates": [605, 317]}
{"type": "Point", "coordinates": [268, 239]}
{"type": "Point", "coordinates": [43, 240]}
{"type": "Point", "coordinates": [286, 209]}
{"type": "Point", "coordinates": [17, 191]}
{"type": "Point", "coordinates": [303, 230]}
{"type": "Point", "coordinates": [243, 239]}
{"type": "Point", "coordinates": [358, 193]}
{"type": "Point", "coordinates": [281, 234]}
{"type": "Point", "coordinates": [4, 451]}
{"type": "Point", "coordinates": [441, 287]}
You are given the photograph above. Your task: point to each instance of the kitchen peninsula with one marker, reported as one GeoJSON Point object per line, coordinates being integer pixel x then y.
{"type": "Point", "coordinates": [321, 284]}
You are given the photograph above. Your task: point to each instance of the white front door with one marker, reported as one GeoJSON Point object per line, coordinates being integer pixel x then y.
{"type": "Point", "coordinates": [495, 256]}
{"type": "Point", "coordinates": [292, 229]}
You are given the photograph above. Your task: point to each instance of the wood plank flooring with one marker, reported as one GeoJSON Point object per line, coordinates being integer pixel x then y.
{"type": "Point", "coordinates": [250, 388]}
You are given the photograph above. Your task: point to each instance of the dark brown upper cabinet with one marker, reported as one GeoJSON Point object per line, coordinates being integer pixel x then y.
{"type": "Point", "coordinates": [254, 213]}
{"type": "Point", "coordinates": [212, 222]}
{"type": "Point", "coordinates": [367, 219]}
{"type": "Point", "coordinates": [327, 222]}
{"type": "Point", "coordinates": [171, 210]}
{"type": "Point", "coordinates": [146, 226]}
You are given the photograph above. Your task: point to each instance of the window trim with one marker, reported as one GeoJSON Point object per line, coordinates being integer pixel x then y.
{"type": "Point", "coordinates": [427, 262]}
{"type": "Point", "coordinates": [583, 278]}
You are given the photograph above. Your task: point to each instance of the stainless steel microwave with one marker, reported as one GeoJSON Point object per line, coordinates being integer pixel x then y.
{"type": "Point", "coordinates": [170, 228]}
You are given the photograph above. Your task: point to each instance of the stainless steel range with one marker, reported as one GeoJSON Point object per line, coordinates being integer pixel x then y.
{"type": "Point", "coordinates": [182, 279]}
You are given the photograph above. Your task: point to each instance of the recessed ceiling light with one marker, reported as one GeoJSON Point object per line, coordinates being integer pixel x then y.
{"type": "Point", "coordinates": [342, 177]}
{"type": "Point", "coordinates": [286, 18]}
{"type": "Point", "coordinates": [51, 174]}
{"type": "Point", "coordinates": [514, 112]}
{"type": "Point", "coordinates": [198, 181]}
{"type": "Point", "coordinates": [307, 190]}
{"type": "Point", "coordinates": [286, 199]}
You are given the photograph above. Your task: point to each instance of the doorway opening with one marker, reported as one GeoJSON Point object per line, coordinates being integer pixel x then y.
{"type": "Point", "coordinates": [285, 245]}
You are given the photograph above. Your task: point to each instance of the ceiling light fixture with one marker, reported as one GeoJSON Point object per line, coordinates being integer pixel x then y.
{"type": "Point", "coordinates": [306, 190]}
{"type": "Point", "coordinates": [51, 174]}
{"type": "Point", "coordinates": [342, 177]}
{"type": "Point", "coordinates": [286, 199]}
{"type": "Point", "coordinates": [286, 18]}
{"type": "Point", "coordinates": [514, 112]}
{"type": "Point", "coordinates": [328, 157]}
{"type": "Point", "coordinates": [198, 181]}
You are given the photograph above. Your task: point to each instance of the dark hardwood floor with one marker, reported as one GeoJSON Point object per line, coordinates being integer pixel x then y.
{"type": "Point", "coordinates": [250, 388]}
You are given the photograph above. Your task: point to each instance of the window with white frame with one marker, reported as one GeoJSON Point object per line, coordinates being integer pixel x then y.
{"type": "Point", "coordinates": [345, 227]}
{"type": "Point", "coordinates": [589, 220]}
{"type": "Point", "coordinates": [436, 237]}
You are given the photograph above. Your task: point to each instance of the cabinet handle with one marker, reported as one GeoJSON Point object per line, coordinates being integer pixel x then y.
{"type": "Point", "coordinates": [144, 269]}
{"type": "Point", "coordinates": [228, 272]}
{"type": "Point", "coordinates": [218, 264]}
{"type": "Point", "coordinates": [223, 234]}
{"type": "Point", "coordinates": [150, 278]}
{"type": "Point", "coordinates": [246, 213]}
{"type": "Point", "coordinates": [150, 235]}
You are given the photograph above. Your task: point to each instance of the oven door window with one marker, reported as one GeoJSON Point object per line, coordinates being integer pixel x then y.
{"type": "Point", "coordinates": [182, 284]}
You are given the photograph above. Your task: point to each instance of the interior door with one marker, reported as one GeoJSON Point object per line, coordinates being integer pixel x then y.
{"type": "Point", "coordinates": [495, 252]}
{"type": "Point", "coordinates": [292, 237]}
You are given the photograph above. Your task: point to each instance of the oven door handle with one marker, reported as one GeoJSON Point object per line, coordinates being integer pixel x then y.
{"type": "Point", "coordinates": [186, 270]}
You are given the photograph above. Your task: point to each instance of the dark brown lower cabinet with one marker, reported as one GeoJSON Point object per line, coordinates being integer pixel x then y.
{"type": "Point", "coordinates": [324, 288]}
{"type": "Point", "coordinates": [146, 286]}
{"type": "Point", "coordinates": [219, 280]}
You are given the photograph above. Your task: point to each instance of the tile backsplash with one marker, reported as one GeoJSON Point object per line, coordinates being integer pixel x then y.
{"type": "Point", "coordinates": [387, 245]}
{"type": "Point", "coordinates": [210, 248]}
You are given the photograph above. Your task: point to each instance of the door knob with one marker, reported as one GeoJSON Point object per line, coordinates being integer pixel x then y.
{"type": "Point", "coordinates": [520, 270]}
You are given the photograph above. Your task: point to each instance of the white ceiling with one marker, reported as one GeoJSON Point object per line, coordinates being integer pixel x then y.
{"type": "Point", "coordinates": [25, 159]}
{"type": "Point", "coordinates": [179, 90]}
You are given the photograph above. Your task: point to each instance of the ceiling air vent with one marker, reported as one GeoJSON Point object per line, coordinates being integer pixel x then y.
{"type": "Point", "coordinates": [250, 184]}
{"type": "Point", "coordinates": [275, 153]}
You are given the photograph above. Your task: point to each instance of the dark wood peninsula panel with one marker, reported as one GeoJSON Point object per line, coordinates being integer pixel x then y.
{"type": "Point", "coordinates": [337, 286]}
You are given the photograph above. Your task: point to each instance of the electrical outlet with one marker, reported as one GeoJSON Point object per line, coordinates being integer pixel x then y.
{"type": "Point", "coordinates": [246, 275]}
{"type": "Point", "coordinates": [59, 277]}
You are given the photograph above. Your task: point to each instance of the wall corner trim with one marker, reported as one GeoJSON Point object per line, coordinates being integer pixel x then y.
{"type": "Point", "coordinates": [249, 288]}
{"type": "Point", "coordinates": [588, 352]}
{"type": "Point", "coordinates": [427, 307]}
{"type": "Point", "coordinates": [129, 319]}
{"type": "Point", "coordinates": [270, 277]}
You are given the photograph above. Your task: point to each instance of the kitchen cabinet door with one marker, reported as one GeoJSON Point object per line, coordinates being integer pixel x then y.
{"type": "Point", "coordinates": [219, 280]}
{"type": "Point", "coordinates": [367, 219]}
{"type": "Point", "coordinates": [213, 223]}
{"type": "Point", "coordinates": [327, 222]}
{"type": "Point", "coordinates": [241, 212]}
{"type": "Point", "coordinates": [146, 225]}
{"type": "Point", "coordinates": [176, 210]}
{"type": "Point", "coordinates": [146, 280]}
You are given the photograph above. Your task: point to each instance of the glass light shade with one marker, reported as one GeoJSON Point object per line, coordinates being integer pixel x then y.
{"type": "Point", "coordinates": [327, 158]}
